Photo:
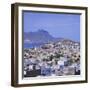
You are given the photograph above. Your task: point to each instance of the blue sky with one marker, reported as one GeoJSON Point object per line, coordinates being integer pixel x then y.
{"type": "Point", "coordinates": [58, 25]}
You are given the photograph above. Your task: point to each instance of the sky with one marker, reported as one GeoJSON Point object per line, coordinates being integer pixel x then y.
{"type": "Point", "coordinates": [58, 25]}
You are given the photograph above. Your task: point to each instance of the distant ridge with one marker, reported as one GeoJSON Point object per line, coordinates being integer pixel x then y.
{"type": "Point", "coordinates": [40, 36]}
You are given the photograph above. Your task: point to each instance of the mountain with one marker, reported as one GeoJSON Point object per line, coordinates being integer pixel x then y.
{"type": "Point", "coordinates": [40, 36]}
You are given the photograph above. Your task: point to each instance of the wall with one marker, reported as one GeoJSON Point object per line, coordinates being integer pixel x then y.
{"type": "Point", "coordinates": [5, 45]}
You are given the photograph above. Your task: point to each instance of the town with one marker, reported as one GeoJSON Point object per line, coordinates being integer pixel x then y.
{"type": "Point", "coordinates": [52, 59]}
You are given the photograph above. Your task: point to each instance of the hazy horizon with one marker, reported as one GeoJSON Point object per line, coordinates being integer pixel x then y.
{"type": "Point", "coordinates": [58, 25]}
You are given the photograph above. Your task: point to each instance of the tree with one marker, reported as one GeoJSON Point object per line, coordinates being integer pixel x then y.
{"type": "Point", "coordinates": [57, 55]}
{"type": "Point", "coordinates": [51, 57]}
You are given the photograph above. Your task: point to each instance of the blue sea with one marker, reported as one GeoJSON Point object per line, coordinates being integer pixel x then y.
{"type": "Point", "coordinates": [28, 45]}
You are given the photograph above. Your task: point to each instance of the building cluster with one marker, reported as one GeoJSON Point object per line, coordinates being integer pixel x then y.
{"type": "Point", "coordinates": [52, 59]}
